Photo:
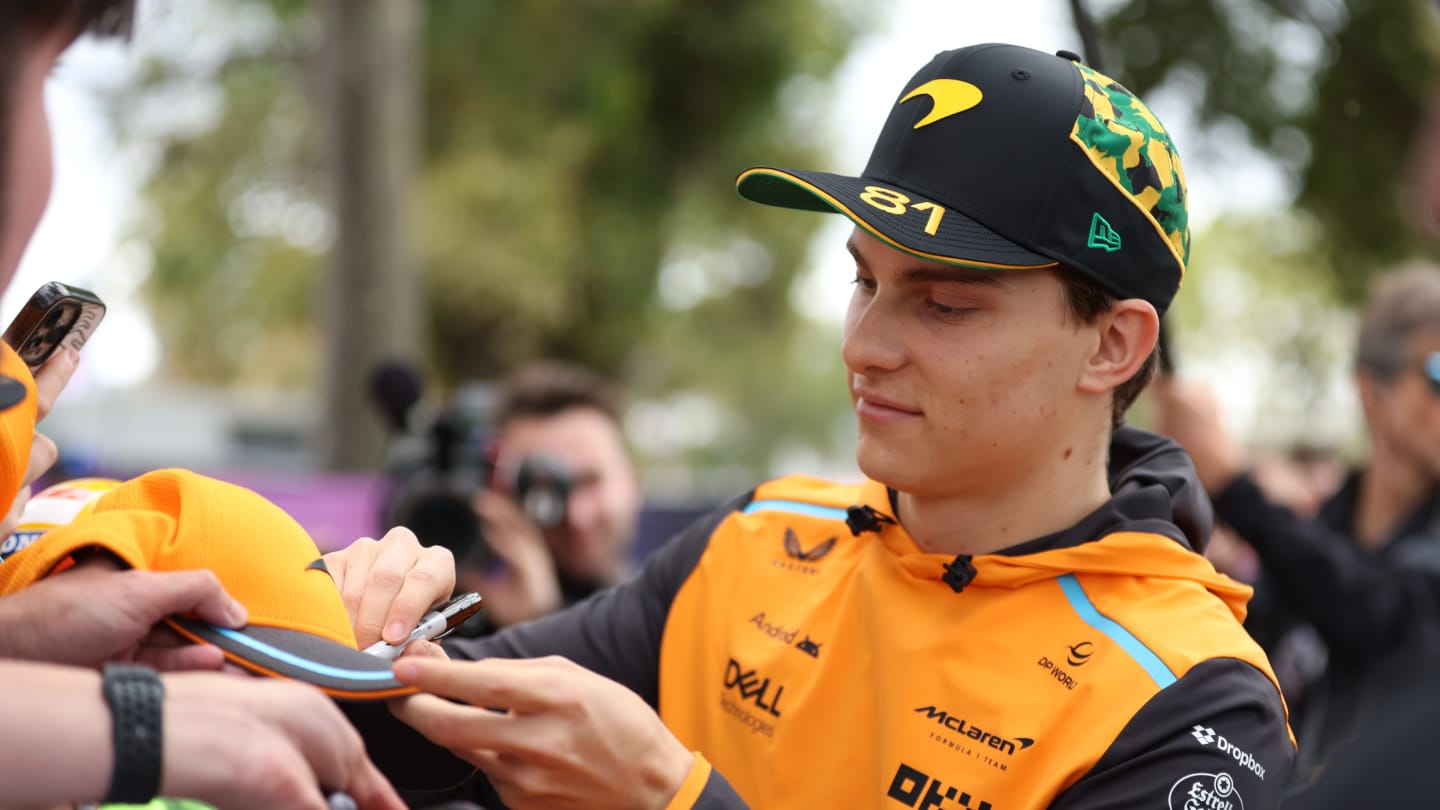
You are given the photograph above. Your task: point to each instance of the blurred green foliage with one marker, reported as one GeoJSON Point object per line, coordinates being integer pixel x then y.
{"type": "Point", "coordinates": [572, 153]}
{"type": "Point", "coordinates": [1331, 89]}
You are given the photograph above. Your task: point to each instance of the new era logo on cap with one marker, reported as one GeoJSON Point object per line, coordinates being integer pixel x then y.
{"type": "Point", "coordinates": [1102, 235]}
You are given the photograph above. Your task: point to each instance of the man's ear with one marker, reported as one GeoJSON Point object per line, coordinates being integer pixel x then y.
{"type": "Point", "coordinates": [1126, 337]}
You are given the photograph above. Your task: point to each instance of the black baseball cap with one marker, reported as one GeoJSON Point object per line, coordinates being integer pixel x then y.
{"type": "Point", "coordinates": [1006, 158]}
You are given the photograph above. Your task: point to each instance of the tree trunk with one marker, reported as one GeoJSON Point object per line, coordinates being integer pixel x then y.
{"type": "Point", "coordinates": [371, 295]}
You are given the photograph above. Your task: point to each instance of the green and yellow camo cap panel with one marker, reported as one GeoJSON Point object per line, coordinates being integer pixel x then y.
{"type": "Point", "coordinates": [1129, 145]}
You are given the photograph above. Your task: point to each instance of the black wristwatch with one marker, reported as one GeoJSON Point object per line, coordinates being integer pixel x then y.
{"type": "Point", "coordinates": [136, 697]}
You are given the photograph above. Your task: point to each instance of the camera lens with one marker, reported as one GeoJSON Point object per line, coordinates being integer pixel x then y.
{"type": "Point", "coordinates": [440, 518]}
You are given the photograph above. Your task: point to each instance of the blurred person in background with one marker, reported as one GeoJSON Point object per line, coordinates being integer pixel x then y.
{"type": "Point", "coordinates": [1012, 609]}
{"type": "Point", "coordinates": [1364, 572]}
{"type": "Point", "coordinates": [1300, 480]}
{"type": "Point", "coordinates": [72, 733]}
{"type": "Point", "coordinates": [560, 448]}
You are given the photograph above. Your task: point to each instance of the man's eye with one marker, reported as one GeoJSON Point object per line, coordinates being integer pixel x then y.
{"type": "Point", "coordinates": [945, 310]}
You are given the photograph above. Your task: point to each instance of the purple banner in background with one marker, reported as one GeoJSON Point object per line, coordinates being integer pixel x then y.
{"type": "Point", "coordinates": [334, 508]}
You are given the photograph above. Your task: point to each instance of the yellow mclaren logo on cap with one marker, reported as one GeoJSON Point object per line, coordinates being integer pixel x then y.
{"type": "Point", "coordinates": [949, 96]}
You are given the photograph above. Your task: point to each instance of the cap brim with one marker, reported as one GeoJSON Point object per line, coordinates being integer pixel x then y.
{"type": "Point", "coordinates": [357, 680]}
{"type": "Point", "coordinates": [12, 392]}
{"type": "Point", "coordinates": [340, 671]}
{"type": "Point", "coordinates": [919, 226]}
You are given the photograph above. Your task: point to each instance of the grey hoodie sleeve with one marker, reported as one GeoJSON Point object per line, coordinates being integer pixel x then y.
{"type": "Point", "coordinates": [616, 632]}
{"type": "Point", "coordinates": [1216, 738]}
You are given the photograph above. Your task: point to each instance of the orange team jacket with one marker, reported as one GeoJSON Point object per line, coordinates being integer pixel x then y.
{"type": "Point", "coordinates": [807, 650]}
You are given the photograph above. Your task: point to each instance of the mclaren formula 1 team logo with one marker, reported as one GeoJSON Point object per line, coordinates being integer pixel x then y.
{"type": "Point", "coordinates": [947, 97]}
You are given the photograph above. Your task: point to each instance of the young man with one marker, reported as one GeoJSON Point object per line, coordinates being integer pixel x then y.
{"type": "Point", "coordinates": [567, 418]}
{"type": "Point", "coordinates": [71, 734]}
{"type": "Point", "coordinates": [1365, 572]}
{"type": "Point", "coordinates": [1011, 611]}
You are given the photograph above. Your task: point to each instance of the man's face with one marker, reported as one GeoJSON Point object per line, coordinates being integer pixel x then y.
{"type": "Point", "coordinates": [963, 380]}
{"type": "Point", "coordinates": [1405, 411]}
{"type": "Point", "coordinates": [604, 504]}
{"type": "Point", "coordinates": [28, 167]}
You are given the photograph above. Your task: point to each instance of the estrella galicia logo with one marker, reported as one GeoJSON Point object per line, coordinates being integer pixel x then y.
{"type": "Point", "coordinates": [815, 553]}
{"type": "Point", "coordinates": [1205, 791]}
{"type": "Point", "coordinates": [913, 787]}
{"type": "Point", "coordinates": [1207, 736]}
{"type": "Point", "coordinates": [1080, 653]}
{"type": "Point", "coordinates": [753, 688]}
{"type": "Point", "coordinates": [809, 647]}
{"type": "Point", "coordinates": [958, 725]}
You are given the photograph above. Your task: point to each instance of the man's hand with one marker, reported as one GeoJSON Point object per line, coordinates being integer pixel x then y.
{"type": "Point", "coordinates": [96, 612]}
{"type": "Point", "coordinates": [527, 587]}
{"type": "Point", "coordinates": [567, 738]}
{"type": "Point", "coordinates": [266, 744]}
{"type": "Point", "coordinates": [389, 585]}
{"type": "Point", "coordinates": [1188, 412]}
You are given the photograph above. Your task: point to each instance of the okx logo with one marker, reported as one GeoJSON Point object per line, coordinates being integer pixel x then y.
{"type": "Point", "coordinates": [1207, 736]}
{"type": "Point", "coordinates": [913, 787]}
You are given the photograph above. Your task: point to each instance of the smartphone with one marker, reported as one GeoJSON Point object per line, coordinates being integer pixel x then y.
{"type": "Point", "coordinates": [56, 315]}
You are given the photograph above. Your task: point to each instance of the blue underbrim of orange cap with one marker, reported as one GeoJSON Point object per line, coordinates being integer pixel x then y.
{"type": "Point", "coordinates": [358, 681]}
{"type": "Point", "coordinates": [957, 239]}
{"type": "Point", "coordinates": [12, 392]}
{"type": "Point", "coordinates": [340, 671]}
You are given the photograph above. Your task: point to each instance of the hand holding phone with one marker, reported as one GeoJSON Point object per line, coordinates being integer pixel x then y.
{"type": "Point", "coordinates": [56, 315]}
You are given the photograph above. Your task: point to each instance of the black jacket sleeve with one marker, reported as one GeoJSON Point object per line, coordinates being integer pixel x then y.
{"type": "Point", "coordinates": [616, 632]}
{"type": "Point", "coordinates": [1216, 733]}
{"type": "Point", "coordinates": [1360, 603]}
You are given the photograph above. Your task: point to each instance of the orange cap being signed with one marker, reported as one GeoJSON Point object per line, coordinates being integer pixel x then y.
{"type": "Point", "coordinates": [174, 520]}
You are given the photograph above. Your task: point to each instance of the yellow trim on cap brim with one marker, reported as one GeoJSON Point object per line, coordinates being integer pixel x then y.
{"type": "Point", "coordinates": [858, 220]}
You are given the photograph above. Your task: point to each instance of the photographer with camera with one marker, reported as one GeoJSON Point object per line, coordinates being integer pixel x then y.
{"type": "Point", "coordinates": [558, 518]}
